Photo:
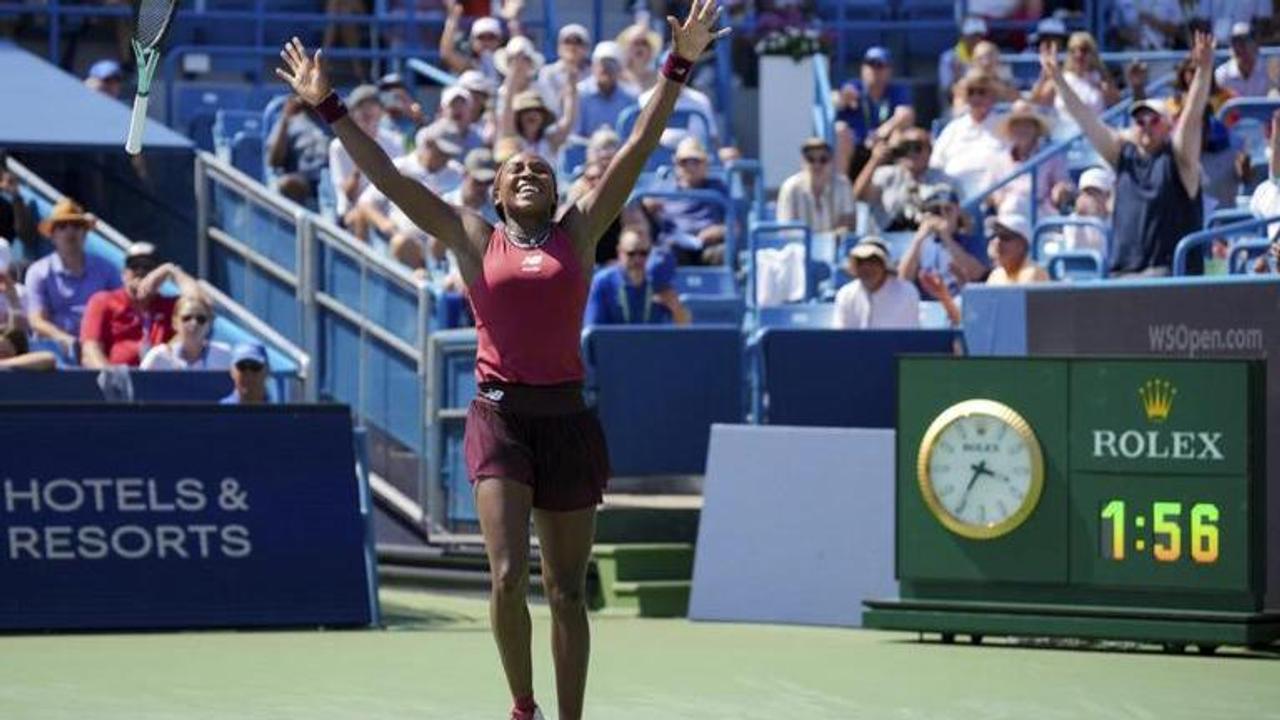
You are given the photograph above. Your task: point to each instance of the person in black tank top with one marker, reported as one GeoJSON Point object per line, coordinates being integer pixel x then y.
{"type": "Point", "coordinates": [1157, 165]}
{"type": "Point", "coordinates": [531, 448]}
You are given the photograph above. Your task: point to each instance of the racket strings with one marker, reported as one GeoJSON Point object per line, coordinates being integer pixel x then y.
{"type": "Point", "coordinates": [153, 20]}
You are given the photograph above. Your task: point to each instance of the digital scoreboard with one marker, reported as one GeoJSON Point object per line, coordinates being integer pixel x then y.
{"type": "Point", "coordinates": [1118, 499]}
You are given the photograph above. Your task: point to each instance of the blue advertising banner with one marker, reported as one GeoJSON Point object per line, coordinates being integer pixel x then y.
{"type": "Point", "coordinates": [177, 516]}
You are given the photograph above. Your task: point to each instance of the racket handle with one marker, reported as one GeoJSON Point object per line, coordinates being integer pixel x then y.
{"type": "Point", "coordinates": [137, 124]}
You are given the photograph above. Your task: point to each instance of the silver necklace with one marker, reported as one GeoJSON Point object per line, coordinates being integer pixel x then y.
{"type": "Point", "coordinates": [527, 243]}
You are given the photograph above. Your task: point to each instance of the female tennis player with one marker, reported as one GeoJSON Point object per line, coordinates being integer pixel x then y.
{"type": "Point", "coordinates": [532, 446]}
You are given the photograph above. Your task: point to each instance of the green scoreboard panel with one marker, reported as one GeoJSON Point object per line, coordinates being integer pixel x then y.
{"type": "Point", "coordinates": [1090, 498]}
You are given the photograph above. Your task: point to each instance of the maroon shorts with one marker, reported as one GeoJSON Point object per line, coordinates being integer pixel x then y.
{"type": "Point", "coordinates": [545, 437]}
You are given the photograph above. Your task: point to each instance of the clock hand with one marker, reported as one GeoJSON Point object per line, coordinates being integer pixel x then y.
{"type": "Point", "coordinates": [964, 498]}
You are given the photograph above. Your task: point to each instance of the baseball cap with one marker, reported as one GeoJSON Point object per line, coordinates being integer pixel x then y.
{"type": "Point", "coordinates": [1016, 223]}
{"type": "Point", "coordinates": [690, 147]}
{"type": "Point", "coordinates": [140, 254]}
{"type": "Point", "coordinates": [390, 80]}
{"type": "Point", "coordinates": [940, 193]}
{"type": "Point", "coordinates": [574, 30]}
{"type": "Point", "coordinates": [877, 54]}
{"type": "Point", "coordinates": [607, 50]}
{"type": "Point", "coordinates": [437, 134]}
{"type": "Point", "coordinates": [1052, 27]}
{"type": "Point", "coordinates": [973, 26]}
{"type": "Point", "coordinates": [1155, 106]}
{"type": "Point", "coordinates": [249, 352]}
{"type": "Point", "coordinates": [363, 93]}
{"type": "Point", "coordinates": [1098, 179]}
{"type": "Point", "coordinates": [453, 92]}
{"type": "Point", "coordinates": [480, 165]}
{"type": "Point", "coordinates": [486, 26]}
{"type": "Point", "coordinates": [1241, 30]}
{"type": "Point", "coordinates": [106, 69]}
{"type": "Point", "coordinates": [870, 247]}
{"type": "Point", "coordinates": [474, 81]}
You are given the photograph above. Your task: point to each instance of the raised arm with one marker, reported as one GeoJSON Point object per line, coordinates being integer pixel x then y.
{"type": "Point", "coordinates": [1100, 136]}
{"type": "Point", "coordinates": [559, 133]}
{"type": "Point", "coordinates": [1188, 135]}
{"type": "Point", "coordinates": [598, 208]}
{"type": "Point", "coordinates": [463, 233]}
{"type": "Point", "coordinates": [455, 61]}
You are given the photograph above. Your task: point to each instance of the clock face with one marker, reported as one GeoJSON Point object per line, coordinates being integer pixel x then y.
{"type": "Point", "coordinates": [980, 469]}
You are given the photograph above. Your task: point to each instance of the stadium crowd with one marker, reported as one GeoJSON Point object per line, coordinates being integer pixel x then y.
{"type": "Point", "coordinates": [900, 188]}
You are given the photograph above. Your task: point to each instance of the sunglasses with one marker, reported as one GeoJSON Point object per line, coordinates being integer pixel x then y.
{"type": "Point", "coordinates": [487, 36]}
{"type": "Point", "coordinates": [690, 161]}
{"type": "Point", "coordinates": [250, 366]}
{"type": "Point", "coordinates": [197, 319]}
{"type": "Point", "coordinates": [912, 147]}
{"type": "Point", "coordinates": [1147, 120]}
{"type": "Point", "coordinates": [977, 92]}
{"type": "Point", "coordinates": [636, 253]}
{"type": "Point", "coordinates": [141, 267]}
{"type": "Point", "coordinates": [935, 209]}
{"type": "Point", "coordinates": [573, 40]}
{"type": "Point", "coordinates": [822, 159]}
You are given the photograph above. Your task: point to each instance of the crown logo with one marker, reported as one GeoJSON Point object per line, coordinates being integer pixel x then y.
{"type": "Point", "coordinates": [1157, 399]}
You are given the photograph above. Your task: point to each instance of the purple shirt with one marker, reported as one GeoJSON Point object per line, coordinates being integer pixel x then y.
{"type": "Point", "coordinates": [63, 296]}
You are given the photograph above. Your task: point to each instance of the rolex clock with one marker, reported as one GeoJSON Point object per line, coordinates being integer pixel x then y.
{"type": "Point", "coordinates": [980, 469]}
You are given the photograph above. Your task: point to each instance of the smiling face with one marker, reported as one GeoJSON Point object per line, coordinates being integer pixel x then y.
{"type": "Point", "coordinates": [1151, 130]}
{"type": "Point", "coordinates": [525, 187]}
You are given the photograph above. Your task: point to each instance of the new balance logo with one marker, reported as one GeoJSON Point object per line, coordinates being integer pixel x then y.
{"type": "Point", "coordinates": [532, 263]}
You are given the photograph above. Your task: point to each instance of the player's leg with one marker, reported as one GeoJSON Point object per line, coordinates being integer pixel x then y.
{"type": "Point", "coordinates": [503, 507]}
{"type": "Point", "coordinates": [565, 544]}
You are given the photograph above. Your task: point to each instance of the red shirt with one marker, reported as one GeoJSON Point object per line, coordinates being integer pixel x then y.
{"type": "Point", "coordinates": [111, 320]}
{"type": "Point", "coordinates": [528, 306]}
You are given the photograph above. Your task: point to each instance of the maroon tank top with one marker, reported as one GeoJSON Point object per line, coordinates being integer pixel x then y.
{"type": "Point", "coordinates": [528, 306]}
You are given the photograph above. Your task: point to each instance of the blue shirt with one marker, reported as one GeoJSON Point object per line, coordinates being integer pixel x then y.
{"type": "Point", "coordinates": [869, 114]}
{"type": "Point", "coordinates": [596, 110]}
{"type": "Point", "coordinates": [682, 220]}
{"type": "Point", "coordinates": [63, 296]}
{"type": "Point", "coordinates": [614, 301]}
{"type": "Point", "coordinates": [935, 256]}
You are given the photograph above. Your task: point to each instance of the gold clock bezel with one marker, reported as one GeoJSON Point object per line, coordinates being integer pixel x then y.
{"type": "Point", "coordinates": [1002, 413]}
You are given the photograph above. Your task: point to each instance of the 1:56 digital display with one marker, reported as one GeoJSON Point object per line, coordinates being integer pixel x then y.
{"type": "Point", "coordinates": [1170, 531]}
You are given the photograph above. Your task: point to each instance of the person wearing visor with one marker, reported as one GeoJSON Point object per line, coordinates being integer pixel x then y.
{"type": "Point", "coordinates": [121, 326]}
{"type": "Point", "coordinates": [877, 298]}
{"type": "Point", "coordinates": [249, 369]}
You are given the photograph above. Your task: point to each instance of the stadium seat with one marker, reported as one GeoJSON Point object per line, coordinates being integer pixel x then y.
{"type": "Point", "coordinates": [246, 154]}
{"type": "Point", "coordinates": [1075, 265]}
{"type": "Point", "coordinates": [715, 309]}
{"type": "Point", "coordinates": [705, 281]}
{"type": "Point", "coordinates": [799, 315]}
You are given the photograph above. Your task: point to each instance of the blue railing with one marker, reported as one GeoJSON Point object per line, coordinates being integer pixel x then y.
{"type": "Point", "coordinates": [1197, 241]}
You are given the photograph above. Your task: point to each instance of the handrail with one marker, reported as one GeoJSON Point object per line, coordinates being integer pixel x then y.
{"type": "Point", "coordinates": [1055, 222]}
{"type": "Point", "coordinates": [1243, 247]}
{"type": "Point", "coordinates": [1242, 105]}
{"type": "Point", "coordinates": [1193, 241]}
{"type": "Point", "coordinates": [431, 72]}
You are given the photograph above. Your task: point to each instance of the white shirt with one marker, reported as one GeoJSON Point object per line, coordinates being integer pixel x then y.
{"type": "Point", "coordinates": [1256, 85]}
{"type": "Point", "coordinates": [217, 356]}
{"type": "Point", "coordinates": [341, 165]}
{"type": "Point", "coordinates": [965, 150]}
{"type": "Point", "coordinates": [1265, 203]}
{"type": "Point", "coordinates": [448, 177]}
{"type": "Point", "coordinates": [796, 202]}
{"type": "Point", "coordinates": [895, 305]}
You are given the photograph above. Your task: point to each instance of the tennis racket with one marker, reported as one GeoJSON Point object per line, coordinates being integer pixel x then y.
{"type": "Point", "coordinates": [152, 21]}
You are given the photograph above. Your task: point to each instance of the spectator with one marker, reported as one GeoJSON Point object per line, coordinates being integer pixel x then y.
{"type": "Point", "coordinates": [986, 60]}
{"type": "Point", "coordinates": [249, 375]}
{"type": "Point", "coordinates": [694, 228]}
{"type": "Point", "coordinates": [15, 352]}
{"type": "Point", "coordinates": [348, 182]}
{"type": "Point", "coordinates": [966, 146]}
{"type": "Point", "coordinates": [1010, 250]}
{"type": "Point", "coordinates": [939, 245]}
{"type": "Point", "coordinates": [190, 348]}
{"type": "Point", "coordinates": [1148, 24]}
{"type": "Point", "coordinates": [894, 191]}
{"type": "Point", "coordinates": [477, 183]}
{"type": "Point", "coordinates": [455, 123]}
{"type": "Point", "coordinates": [60, 284]}
{"type": "Point", "coordinates": [602, 146]}
{"type": "Point", "coordinates": [122, 325]}
{"type": "Point", "coordinates": [15, 216]}
{"type": "Point", "coordinates": [485, 39]}
{"type": "Point", "coordinates": [572, 45]}
{"type": "Point", "coordinates": [1052, 30]}
{"type": "Point", "coordinates": [403, 114]}
{"type": "Point", "coordinates": [872, 107]}
{"type": "Point", "coordinates": [1094, 201]}
{"type": "Point", "coordinates": [631, 215]}
{"type": "Point", "coordinates": [1025, 132]}
{"type": "Point", "coordinates": [1224, 165]}
{"type": "Point", "coordinates": [1158, 193]}
{"type": "Point", "coordinates": [519, 64]}
{"type": "Point", "coordinates": [347, 35]}
{"type": "Point", "coordinates": [954, 62]}
{"type": "Point", "coordinates": [876, 299]}
{"type": "Point", "coordinates": [817, 196]}
{"type": "Point", "coordinates": [602, 98]}
{"type": "Point", "coordinates": [1183, 75]}
{"type": "Point", "coordinates": [635, 291]}
{"type": "Point", "coordinates": [298, 152]}
{"type": "Point", "coordinates": [12, 294]}
{"type": "Point", "coordinates": [641, 47]}
{"type": "Point", "coordinates": [433, 166]}
{"type": "Point", "coordinates": [482, 89]}
{"type": "Point", "coordinates": [1225, 15]}
{"type": "Point", "coordinates": [1087, 77]}
{"type": "Point", "coordinates": [1243, 74]}
{"type": "Point", "coordinates": [530, 121]}
{"type": "Point", "coordinates": [105, 77]}
{"type": "Point", "coordinates": [1265, 200]}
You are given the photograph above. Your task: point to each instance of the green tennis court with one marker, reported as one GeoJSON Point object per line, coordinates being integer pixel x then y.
{"type": "Point", "coordinates": [437, 660]}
